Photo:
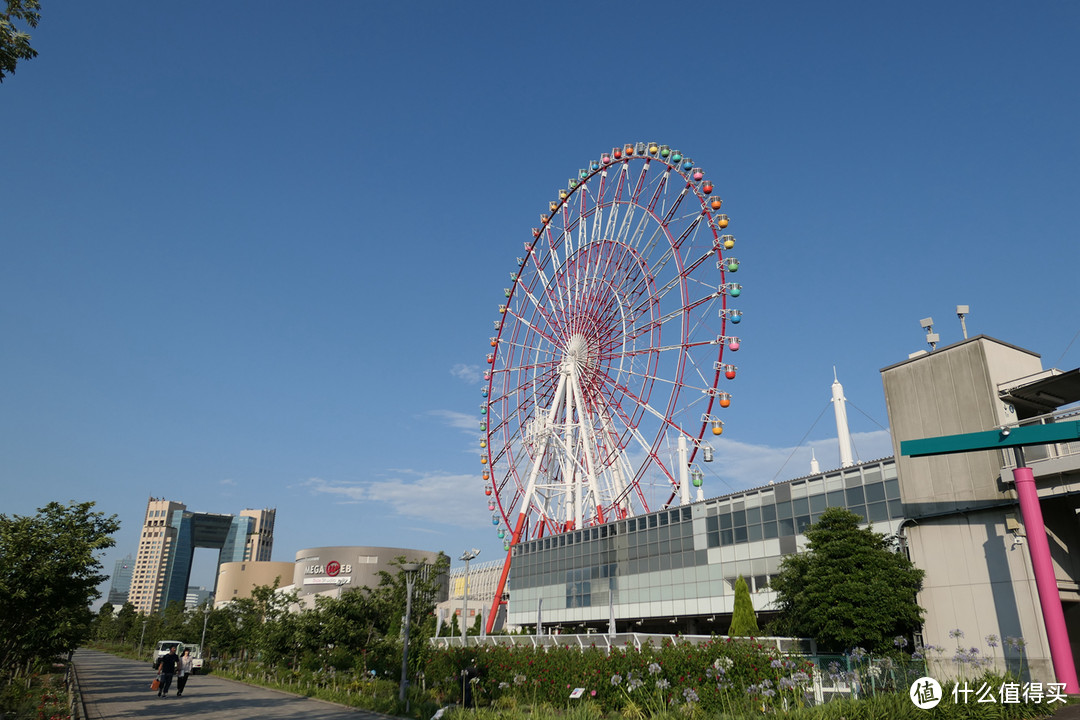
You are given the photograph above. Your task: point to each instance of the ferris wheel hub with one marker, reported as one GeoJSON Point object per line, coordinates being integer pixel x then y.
{"type": "Point", "coordinates": [577, 351]}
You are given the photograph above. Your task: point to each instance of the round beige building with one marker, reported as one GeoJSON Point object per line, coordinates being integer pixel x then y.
{"type": "Point", "coordinates": [329, 571]}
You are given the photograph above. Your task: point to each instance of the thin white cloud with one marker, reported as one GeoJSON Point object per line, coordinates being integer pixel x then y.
{"type": "Point", "coordinates": [432, 497]}
{"type": "Point", "coordinates": [459, 420]}
{"type": "Point", "coordinates": [467, 373]}
{"type": "Point", "coordinates": [470, 424]}
{"type": "Point", "coordinates": [228, 481]}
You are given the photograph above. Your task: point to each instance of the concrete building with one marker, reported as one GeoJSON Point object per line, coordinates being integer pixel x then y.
{"type": "Point", "coordinates": [236, 580]}
{"type": "Point", "coordinates": [197, 596]}
{"type": "Point", "coordinates": [167, 544]}
{"type": "Point", "coordinates": [259, 544]}
{"type": "Point", "coordinates": [483, 580]}
{"type": "Point", "coordinates": [330, 571]}
{"type": "Point", "coordinates": [962, 521]}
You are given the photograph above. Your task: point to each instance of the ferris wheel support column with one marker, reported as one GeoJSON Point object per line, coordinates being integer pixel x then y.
{"type": "Point", "coordinates": [572, 509]}
{"type": "Point", "coordinates": [684, 472]}
{"type": "Point", "coordinates": [538, 460]}
{"type": "Point", "coordinates": [587, 488]}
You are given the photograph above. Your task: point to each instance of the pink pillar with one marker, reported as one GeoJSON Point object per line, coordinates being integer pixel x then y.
{"type": "Point", "coordinates": [1045, 580]}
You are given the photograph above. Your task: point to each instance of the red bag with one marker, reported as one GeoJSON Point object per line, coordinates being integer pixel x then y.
{"type": "Point", "coordinates": [155, 684]}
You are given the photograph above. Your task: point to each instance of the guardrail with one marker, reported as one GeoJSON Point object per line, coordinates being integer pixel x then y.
{"type": "Point", "coordinates": [797, 646]}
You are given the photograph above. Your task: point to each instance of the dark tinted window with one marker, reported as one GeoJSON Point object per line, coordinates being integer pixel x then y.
{"type": "Point", "coordinates": [854, 496]}
{"type": "Point", "coordinates": [875, 492]}
{"type": "Point", "coordinates": [878, 512]}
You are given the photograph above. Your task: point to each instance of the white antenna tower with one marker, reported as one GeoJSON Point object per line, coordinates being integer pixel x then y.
{"type": "Point", "coordinates": [843, 435]}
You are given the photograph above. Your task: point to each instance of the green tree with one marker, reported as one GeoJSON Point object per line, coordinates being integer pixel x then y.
{"type": "Point", "coordinates": [849, 589]}
{"type": "Point", "coordinates": [125, 620]}
{"type": "Point", "coordinates": [104, 627]}
{"type": "Point", "coordinates": [225, 631]}
{"type": "Point", "coordinates": [15, 44]}
{"type": "Point", "coordinates": [172, 622]}
{"type": "Point", "coordinates": [49, 573]}
{"type": "Point", "coordinates": [264, 626]}
{"type": "Point", "coordinates": [743, 618]}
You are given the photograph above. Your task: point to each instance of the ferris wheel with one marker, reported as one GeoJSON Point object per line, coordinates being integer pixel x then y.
{"type": "Point", "coordinates": [603, 382]}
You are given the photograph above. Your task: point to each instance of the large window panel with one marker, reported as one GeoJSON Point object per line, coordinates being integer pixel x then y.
{"type": "Point", "coordinates": [875, 492]}
{"type": "Point", "coordinates": [878, 512]}
{"type": "Point", "coordinates": [854, 496]}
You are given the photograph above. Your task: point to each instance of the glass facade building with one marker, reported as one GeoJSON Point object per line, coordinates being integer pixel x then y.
{"type": "Point", "coordinates": [120, 585]}
{"type": "Point", "coordinates": [229, 533]}
{"type": "Point", "coordinates": [681, 564]}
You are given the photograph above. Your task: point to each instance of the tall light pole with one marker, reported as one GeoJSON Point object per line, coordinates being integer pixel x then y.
{"type": "Point", "coordinates": [143, 636]}
{"type": "Point", "coordinates": [466, 557]}
{"type": "Point", "coordinates": [410, 574]}
{"type": "Point", "coordinates": [206, 617]}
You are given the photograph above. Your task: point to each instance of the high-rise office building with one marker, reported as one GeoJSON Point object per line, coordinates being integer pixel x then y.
{"type": "Point", "coordinates": [170, 535]}
{"type": "Point", "coordinates": [121, 581]}
{"type": "Point", "coordinates": [260, 540]}
{"type": "Point", "coordinates": [197, 596]}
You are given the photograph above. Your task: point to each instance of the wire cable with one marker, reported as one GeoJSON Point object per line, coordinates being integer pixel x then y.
{"type": "Point", "coordinates": [795, 449]}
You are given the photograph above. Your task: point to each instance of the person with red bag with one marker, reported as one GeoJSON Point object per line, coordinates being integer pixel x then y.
{"type": "Point", "coordinates": [166, 667]}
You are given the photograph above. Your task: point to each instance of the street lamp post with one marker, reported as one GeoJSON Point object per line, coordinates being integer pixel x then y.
{"type": "Point", "coordinates": [410, 575]}
{"type": "Point", "coordinates": [142, 637]}
{"type": "Point", "coordinates": [206, 617]}
{"type": "Point", "coordinates": [466, 557]}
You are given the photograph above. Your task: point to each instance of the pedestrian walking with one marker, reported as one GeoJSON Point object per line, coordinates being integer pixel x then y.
{"type": "Point", "coordinates": [182, 671]}
{"type": "Point", "coordinates": [166, 667]}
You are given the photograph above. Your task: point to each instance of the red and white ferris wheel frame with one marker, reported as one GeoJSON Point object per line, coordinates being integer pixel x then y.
{"type": "Point", "coordinates": [619, 301]}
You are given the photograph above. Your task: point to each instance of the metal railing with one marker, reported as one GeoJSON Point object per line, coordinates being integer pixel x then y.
{"type": "Point", "coordinates": [1051, 451]}
{"type": "Point", "coordinates": [792, 646]}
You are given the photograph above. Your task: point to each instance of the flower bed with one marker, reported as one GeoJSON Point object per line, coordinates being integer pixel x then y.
{"type": "Point", "coordinates": [725, 675]}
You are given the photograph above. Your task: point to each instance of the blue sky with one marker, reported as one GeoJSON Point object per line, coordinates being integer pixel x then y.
{"type": "Point", "coordinates": [251, 254]}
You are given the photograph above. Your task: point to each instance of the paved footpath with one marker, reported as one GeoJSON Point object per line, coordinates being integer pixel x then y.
{"type": "Point", "coordinates": [115, 688]}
